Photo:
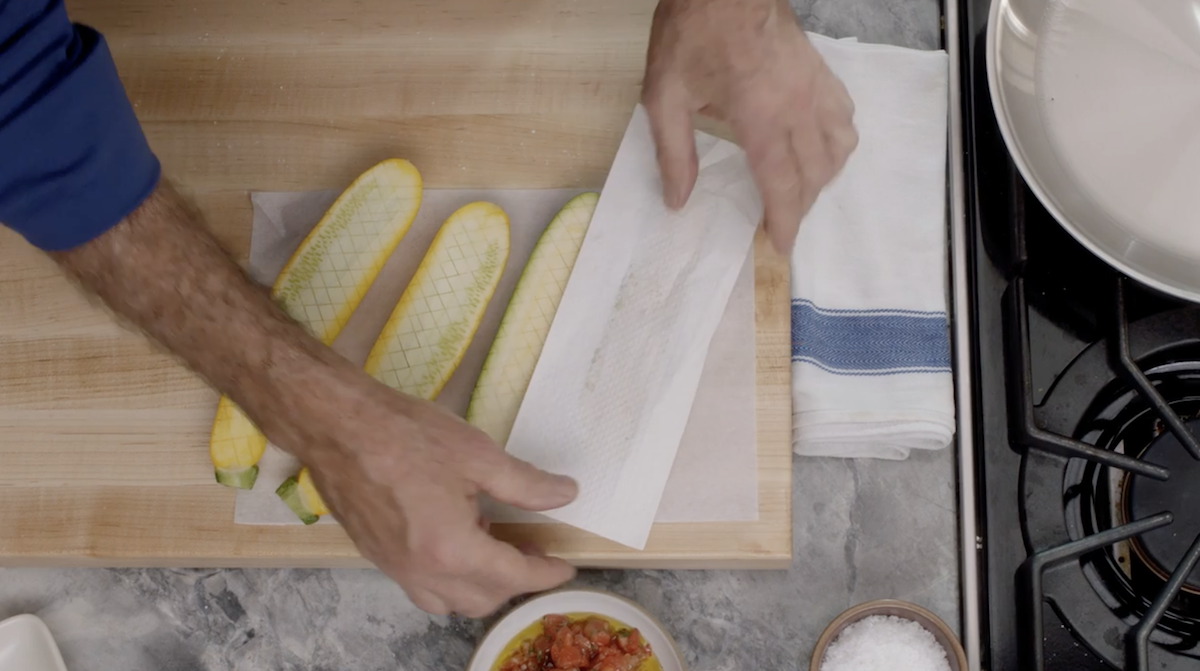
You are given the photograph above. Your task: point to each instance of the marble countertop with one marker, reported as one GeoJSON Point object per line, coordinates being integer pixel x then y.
{"type": "Point", "coordinates": [863, 530]}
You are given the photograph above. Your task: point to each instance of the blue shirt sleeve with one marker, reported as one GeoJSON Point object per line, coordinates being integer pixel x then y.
{"type": "Point", "coordinates": [73, 158]}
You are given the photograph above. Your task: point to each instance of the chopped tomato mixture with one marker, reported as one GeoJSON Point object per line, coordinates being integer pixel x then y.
{"type": "Point", "coordinates": [587, 644]}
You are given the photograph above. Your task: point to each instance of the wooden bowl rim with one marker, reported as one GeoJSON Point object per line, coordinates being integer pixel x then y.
{"type": "Point", "coordinates": [868, 608]}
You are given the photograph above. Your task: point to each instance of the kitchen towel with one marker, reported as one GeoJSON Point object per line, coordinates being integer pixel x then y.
{"type": "Point", "coordinates": [612, 392]}
{"type": "Point", "coordinates": [871, 369]}
{"type": "Point", "coordinates": [715, 474]}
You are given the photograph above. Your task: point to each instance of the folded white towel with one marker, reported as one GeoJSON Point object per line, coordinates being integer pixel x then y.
{"type": "Point", "coordinates": [871, 369]}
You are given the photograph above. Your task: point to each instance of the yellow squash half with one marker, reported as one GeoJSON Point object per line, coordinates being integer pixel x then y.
{"type": "Point", "coordinates": [320, 287]}
{"type": "Point", "coordinates": [432, 325]}
{"type": "Point", "coordinates": [526, 323]}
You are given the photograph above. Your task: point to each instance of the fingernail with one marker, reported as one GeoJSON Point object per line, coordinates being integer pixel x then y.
{"type": "Point", "coordinates": [782, 244]}
{"type": "Point", "coordinates": [531, 549]}
{"type": "Point", "coordinates": [679, 197]}
{"type": "Point", "coordinates": [567, 486]}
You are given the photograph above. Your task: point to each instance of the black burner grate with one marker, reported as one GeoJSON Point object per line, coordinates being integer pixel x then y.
{"type": "Point", "coordinates": [1048, 450]}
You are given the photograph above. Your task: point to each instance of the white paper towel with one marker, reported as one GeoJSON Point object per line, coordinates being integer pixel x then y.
{"type": "Point", "coordinates": [714, 478]}
{"type": "Point", "coordinates": [614, 387]}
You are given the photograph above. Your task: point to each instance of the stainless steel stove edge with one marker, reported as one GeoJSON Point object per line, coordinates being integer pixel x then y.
{"type": "Point", "coordinates": [970, 542]}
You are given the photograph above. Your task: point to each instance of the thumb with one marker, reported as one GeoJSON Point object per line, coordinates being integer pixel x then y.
{"type": "Point", "coordinates": [674, 142]}
{"type": "Point", "coordinates": [519, 483]}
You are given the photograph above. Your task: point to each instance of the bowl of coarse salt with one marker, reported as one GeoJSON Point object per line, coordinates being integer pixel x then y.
{"type": "Point", "coordinates": [888, 635]}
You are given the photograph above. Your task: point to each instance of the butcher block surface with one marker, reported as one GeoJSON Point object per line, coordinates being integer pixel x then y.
{"type": "Point", "coordinates": [103, 437]}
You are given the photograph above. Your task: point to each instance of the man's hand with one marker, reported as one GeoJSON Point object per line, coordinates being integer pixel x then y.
{"type": "Point", "coordinates": [747, 63]}
{"type": "Point", "coordinates": [399, 473]}
{"type": "Point", "coordinates": [403, 477]}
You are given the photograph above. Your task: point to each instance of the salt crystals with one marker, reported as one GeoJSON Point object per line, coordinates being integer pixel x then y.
{"type": "Point", "coordinates": [885, 643]}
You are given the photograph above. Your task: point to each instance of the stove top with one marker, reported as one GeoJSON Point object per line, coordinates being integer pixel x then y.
{"type": "Point", "coordinates": [1087, 409]}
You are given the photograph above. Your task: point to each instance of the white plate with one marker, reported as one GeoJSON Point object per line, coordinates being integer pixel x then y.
{"type": "Point", "coordinates": [26, 645]}
{"type": "Point", "coordinates": [577, 601]}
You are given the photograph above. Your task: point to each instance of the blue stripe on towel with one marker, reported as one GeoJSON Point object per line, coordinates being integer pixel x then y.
{"type": "Point", "coordinates": [870, 342]}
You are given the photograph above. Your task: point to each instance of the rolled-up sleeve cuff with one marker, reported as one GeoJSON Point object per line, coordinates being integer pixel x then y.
{"type": "Point", "coordinates": [73, 158]}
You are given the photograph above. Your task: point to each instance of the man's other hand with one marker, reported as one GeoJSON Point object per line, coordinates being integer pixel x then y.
{"type": "Point", "coordinates": [747, 63]}
{"type": "Point", "coordinates": [403, 477]}
{"type": "Point", "coordinates": [400, 474]}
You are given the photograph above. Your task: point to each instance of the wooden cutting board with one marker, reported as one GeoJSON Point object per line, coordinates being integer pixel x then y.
{"type": "Point", "coordinates": [103, 438]}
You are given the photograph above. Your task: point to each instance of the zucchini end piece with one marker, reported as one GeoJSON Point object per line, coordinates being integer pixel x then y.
{"type": "Point", "coordinates": [238, 478]}
{"type": "Point", "coordinates": [289, 491]}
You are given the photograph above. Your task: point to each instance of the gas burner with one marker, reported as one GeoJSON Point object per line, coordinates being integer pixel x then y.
{"type": "Point", "coordinates": [1108, 491]}
{"type": "Point", "coordinates": [1162, 549]}
{"type": "Point", "coordinates": [1136, 570]}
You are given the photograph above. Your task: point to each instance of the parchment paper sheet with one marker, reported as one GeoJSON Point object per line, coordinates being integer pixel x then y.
{"type": "Point", "coordinates": [714, 476]}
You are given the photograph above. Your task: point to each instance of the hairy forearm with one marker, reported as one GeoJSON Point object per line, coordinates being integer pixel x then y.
{"type": "Point", "coordinates": [160, 270]}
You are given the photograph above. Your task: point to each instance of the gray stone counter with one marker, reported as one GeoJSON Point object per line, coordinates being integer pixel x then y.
{"type": "Point", "coordinates": [863, 530]}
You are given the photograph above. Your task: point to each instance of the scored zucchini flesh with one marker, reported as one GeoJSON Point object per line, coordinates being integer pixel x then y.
{"type": "Point", "coordinates": [300, 494]}
{"type": "Point", "coordinates": [431, 327]}
{"type": "Point", "coordinates": [526, 322]}
{"type": "Point", "coordinates": [321, 285]}
{"type": "Point", "coordinates": [427, 334]}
